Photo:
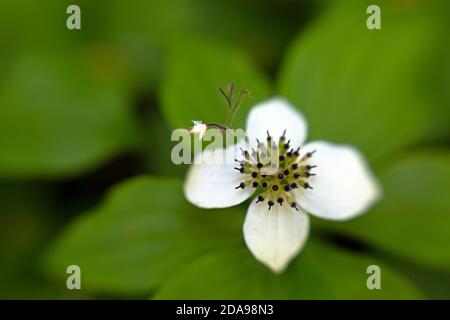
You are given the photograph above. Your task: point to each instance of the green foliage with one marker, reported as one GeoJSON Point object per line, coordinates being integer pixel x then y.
{"type": "Point", "coordinates": [60, 119]}
{"type": "Point", "coordinates": [25, 228]}
{"type": "Point", "coordinates": [145, 235]}
{"type": "Point", "coordinates": [146, 28]}
{"type": "Point", "coordinates": [140, 235]}
{"type": "Point", "coordinates": [67, 102]}
{"type": "Point", "coordinates": [413, 219]}
{"type": "Point", "coordinates": [321, 272]}
{"type": "Point", "coordinates": [366, 87]}
{"type": "Point", "coordinates": [195, 70]}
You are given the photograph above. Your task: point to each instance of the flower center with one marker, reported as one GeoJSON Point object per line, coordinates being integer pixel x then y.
{"type": "Point", "coordinates": [275, 170]}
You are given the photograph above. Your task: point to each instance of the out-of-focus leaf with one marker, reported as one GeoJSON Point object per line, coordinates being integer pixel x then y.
{"type": "Point", "coordinates": [413, 219]}
{"type": "Point", "coordinates": [146, 28]}
{"type": "Point", "coordinates": [366, 87]}
{"type": "Point", "coordinates": [158, 151]}
{"type": "Point", "coordinates": [321, 272]}
{"type": "Point", "coordinates": [195, 70]}
{"type": "Point", "coordinates": [60, 114]}
{"type": "Point", "coordinates": [432, 282]}
{"type": "Point", "coordinates": [25, 227]}
{"type": "Point", "coordinates": [143, 233]}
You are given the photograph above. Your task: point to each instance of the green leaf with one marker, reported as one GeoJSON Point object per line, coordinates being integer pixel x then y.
{"type": "Point", "coordinates": [146, 236]}
{"type": "Point", "coordinates": [412, 220]}
{"type": "Point", "coordinates": [61, 113]}
{"type": "Point", "coordinates": [140, 235]}
{"type": "Point", "coordinates": [194, 72]}
{"type": "Point", "coordinates": [320, 272]}
{"type": "Point", "coordinates": [25, 228]}
{"type": "Point", "coordinates": [366, 87]}
{"type": "Point", "coordinates": [146, 27]}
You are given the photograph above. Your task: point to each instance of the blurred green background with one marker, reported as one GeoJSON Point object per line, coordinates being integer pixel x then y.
{"type": "Point", "coordinates": [85, 123]}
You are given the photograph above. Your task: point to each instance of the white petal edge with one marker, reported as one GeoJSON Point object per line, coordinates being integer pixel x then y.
{"type": "Point", "coordinates": [344, 185]}
{"type": "Point", "coordinates": [275, 236]}
{"type": "Point", "coordinates": [275, 115]}
{"type": "Point", "coordinates": [212, 183]}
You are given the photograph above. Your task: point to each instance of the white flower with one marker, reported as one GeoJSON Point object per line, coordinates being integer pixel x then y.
{"type": "Point", "coordinates": [199, 128]}
{"type": "Point", "coordinates": [324, 179]}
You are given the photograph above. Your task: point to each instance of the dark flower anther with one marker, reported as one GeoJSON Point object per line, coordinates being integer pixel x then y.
{"type": "Point", "coordinates": [287, 144]}
{"type": "Point", "coordinates": [276, 178]}
{"type": "Point", "coordinates": [241, 185]}
{"type": "Point", "coordinates": [310, 154]}
{"type": "Point", "coordinates": [307, 186]}
{"type": "Point", "coordinates": [260, 144]}
{"type": "Point", "coordinates": [289, 154]}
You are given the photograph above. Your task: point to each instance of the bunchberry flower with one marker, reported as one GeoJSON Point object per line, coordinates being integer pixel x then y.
{"type": "Point", "coordinates": [290, 180]}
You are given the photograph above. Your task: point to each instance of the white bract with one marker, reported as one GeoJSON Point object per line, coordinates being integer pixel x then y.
{"type": "Point", "coordinates": [324, 179]}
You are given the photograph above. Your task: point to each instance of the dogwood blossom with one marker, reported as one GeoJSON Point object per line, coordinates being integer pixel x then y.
{"type": "Point", "coordinates": [291, 179]}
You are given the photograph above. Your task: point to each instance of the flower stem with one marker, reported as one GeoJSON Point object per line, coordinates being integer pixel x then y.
{"type": "Point", "coordinates": [233, 104]}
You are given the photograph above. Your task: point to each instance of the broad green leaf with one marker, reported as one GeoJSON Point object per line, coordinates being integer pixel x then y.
{"type": "Point", "coordinates": [194, 70]}
{"type": "Point", "coordinates": [413, 218]}
{"type": "Point", "coordinates": [140, 235]}
{"type": "Point", "coordinates": [366, 87]}
{"type": "Point", "coordinates": [146, 28]}
{"type": "Point", "coordinates": [60, 113]}
{"type": "Point", "coordinates": [320, 272]}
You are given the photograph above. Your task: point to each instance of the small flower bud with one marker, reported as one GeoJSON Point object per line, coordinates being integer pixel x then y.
{"type": "Point", "coordinates": [199, 128]}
